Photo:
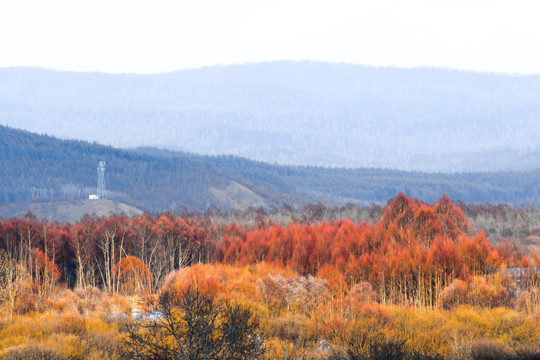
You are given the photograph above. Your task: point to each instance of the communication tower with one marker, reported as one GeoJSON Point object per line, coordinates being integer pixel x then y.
{"type": "Point", "coordinates": [101, 180]}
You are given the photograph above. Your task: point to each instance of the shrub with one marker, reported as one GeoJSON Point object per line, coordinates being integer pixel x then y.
{"type": "Point", "coordinates": [32, 352]}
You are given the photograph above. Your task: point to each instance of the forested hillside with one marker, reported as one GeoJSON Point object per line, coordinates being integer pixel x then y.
{"type": "Point", "coordinates": [297, 113]}
{"type": "Point", "coordinates": [40, 168]}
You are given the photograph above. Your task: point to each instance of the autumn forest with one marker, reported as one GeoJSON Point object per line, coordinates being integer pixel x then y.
{"type": "Point", "coordinates": [416, 281]}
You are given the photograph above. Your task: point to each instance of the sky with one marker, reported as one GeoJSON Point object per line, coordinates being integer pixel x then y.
{"type": "Point", "coordinates": [140, 36]}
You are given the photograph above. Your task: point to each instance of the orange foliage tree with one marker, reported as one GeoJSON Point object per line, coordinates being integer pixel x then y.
{"type": "Point", "coordinates": [409, 256]}
{"type": "Point", "coordinates": [132, 276]}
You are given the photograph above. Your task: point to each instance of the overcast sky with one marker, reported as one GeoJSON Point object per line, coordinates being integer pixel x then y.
{"type": "Point", "coordinates": [157, 36]}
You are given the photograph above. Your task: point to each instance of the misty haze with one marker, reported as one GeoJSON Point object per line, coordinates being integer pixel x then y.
{"type": "Point", "coordinates": [294, 113]}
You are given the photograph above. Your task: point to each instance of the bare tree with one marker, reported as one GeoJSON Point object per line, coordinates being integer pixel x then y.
{"type": "Point", "coordinates": [13, 277]}
{"type": "Point", "coordinates": [193, 325]}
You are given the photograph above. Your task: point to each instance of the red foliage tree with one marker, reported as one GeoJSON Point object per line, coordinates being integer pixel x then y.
{"type": "Point", "coordinates": [44, 272]}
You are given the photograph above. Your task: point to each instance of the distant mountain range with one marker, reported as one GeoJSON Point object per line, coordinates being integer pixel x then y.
{"type": "Point", "coordinates": [297, 113]}
{"type": "Point", "coordinates": [40, 169]}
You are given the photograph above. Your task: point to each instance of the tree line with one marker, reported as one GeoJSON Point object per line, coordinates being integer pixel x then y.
{"type": "Point", "coordinates": [410, 255]}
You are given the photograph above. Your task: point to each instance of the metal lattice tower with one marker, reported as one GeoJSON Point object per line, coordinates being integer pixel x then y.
{"type": "Point", "coordinates": [101, 180]}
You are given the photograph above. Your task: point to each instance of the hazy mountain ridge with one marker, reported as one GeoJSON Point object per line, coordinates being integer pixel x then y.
{"type": "Point", "coordinates": [293, 113]}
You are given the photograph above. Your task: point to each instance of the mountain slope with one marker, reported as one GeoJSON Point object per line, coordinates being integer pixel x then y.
{"type": "Point", "coordinates": [38, 168]}
{"type": "Point", "coordinates": [293, 113]}
{"type": "Point", "coordinates": [68, 210]}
